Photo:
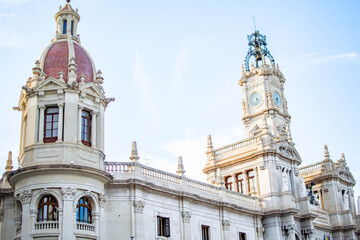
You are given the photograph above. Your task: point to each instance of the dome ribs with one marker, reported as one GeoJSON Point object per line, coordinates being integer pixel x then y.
{"type": "Point", "coordinates": [84, 64]}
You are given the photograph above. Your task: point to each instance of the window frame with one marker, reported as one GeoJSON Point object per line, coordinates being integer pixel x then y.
{"type": "Point", "coordinates": [240, 182]}
{"type": "Point", "coordinates": [52, 138]}
{"type": "Point", "coordinates": [81, 206]}
{"type": "Point", "coordinates": [205, 232]}
{"type": "Point", "coordinates": [228, 185]}
{"type": "Point", "coordinates": [64, 26]}
{"type": "Point", "coordinates": [86, 129]}
{"type": "Point", "coordinates": [44, 203]}
{"type": "Point", "coordinates": [242, 236]}
{"type": "Point", "coordinates": [250, 180]}
{"type": "Point", "coordinates": [163, 226]}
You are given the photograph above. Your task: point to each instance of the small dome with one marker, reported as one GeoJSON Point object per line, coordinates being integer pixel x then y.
{"type": "Point", "coordinates": [56, 58]}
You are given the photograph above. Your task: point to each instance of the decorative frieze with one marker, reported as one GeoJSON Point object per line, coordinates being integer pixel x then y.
{"type": "Point", "coordinates": [102, 200]}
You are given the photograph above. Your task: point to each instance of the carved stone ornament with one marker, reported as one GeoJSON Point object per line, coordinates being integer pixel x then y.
{"type": "Point", "coordinates": [102, 200]}
{"type": "Point", "coordinates": [287, 150]}
{"type": "Point", "coordinates": [226, 224]}
{"type": "Point", "coordinates": [187, 216]}
{"type": "Point", "coordinates": [260, 231]}
{"type": "Point", "coordinates": [1, 213]}
{"type": "Point", "coordinates": [45, 191]}
{"type": "Point", "coordinates": [139, 206]}
{"type": "Point", "coordinates": [25, 196]}
{"type": "Point", "coordinates": [68, 193]}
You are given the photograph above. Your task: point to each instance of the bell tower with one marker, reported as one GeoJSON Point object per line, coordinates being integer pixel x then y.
{"type": "Point", "coordinates": [264, 104]}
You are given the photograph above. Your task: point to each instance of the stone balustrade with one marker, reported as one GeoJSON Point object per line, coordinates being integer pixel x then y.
{"type": "Point", "coordinates": [124, 170]}
{"type": "Point", "coordinates": [237, 145]}
{"type": "Point", "coordinates": [85, 227]}
{"type": "Point", "coordinates": [47, 225]}
{"type": "Point", "coordinates": [310, 168]}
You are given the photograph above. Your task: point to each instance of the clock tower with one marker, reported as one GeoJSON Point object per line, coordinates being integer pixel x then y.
{"type": "Point", "coordinates": [264, 104]}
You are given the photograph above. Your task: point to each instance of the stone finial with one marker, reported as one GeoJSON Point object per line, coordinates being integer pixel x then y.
{"type": "Point", "coordinates": [277, 66]}
{"type": "Point", "coordinates": [82, 78]}
{"type": "Point", "coordinates": [209, 142]}
{"type": "Point", "coordinates": [180, 168]}
{"type": "Point", "coordinates": [61, 75]}
{"type": "Point", "coordinates": [252, 66]}
{"type": "Point", "coordinates": [134, 152]}
{"type": "Point", "coordinates": [9, 165]}
{"type": "Point", "coordinates": [242, 69]}
{"type": "Point", "coordinates": [37, 69]}
{"type": "Point", "coordinates": [99, 77]}
{"type": "Point", "coordinates": [326, 152]}
{"type": "Point", "coordinates": [219, 180]}
{"type": "Point", "coordinates": [343, 157]}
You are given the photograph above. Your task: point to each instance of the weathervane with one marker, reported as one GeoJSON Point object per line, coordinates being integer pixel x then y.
{"type": "Point", "coordinates": [257, 49]}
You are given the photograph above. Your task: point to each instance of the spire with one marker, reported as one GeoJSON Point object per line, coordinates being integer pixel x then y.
{"type": "Point", "coordinates": [343, 157]}
{"type": "Point", "coordinates": [209, 143]}
{"type": "Point", "coordinates": [326, 152]}
{"type": "Point", "coordinates": [134, 152]}
{"type": "Point", "coordinates": [180, 168]}
{"type": "Point", "coordinates": [9, 165]}
{"type": "Point", "coordinates": [258, 50]}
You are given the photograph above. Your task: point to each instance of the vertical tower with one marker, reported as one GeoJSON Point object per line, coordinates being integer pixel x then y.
{"type": "Point", "coordinates": [265, 164]}
{"type": "Point", "coordinates": [61, 155]}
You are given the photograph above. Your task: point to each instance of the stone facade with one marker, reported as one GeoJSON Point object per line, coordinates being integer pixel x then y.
{"type": "Point", "coordinates": [256, 188]}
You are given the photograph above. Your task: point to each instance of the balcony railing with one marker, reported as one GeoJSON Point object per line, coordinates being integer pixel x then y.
{"type": "Point", "coordinates": [47, 225]}
{"type": "Point", "coordinates": [310, 168]}
{"type": "Point", "coordinates": [237, 145]}
{"type": "Point", "coordinates": [85, 227]}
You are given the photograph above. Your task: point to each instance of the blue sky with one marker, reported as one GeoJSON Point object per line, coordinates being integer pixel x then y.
{"type": "Point", "coordinates": [174, 67]}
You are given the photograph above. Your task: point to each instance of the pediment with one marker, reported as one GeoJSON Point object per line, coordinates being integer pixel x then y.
{"type": "Point", "coordinates": [287, 150]}
{"type": "Point", "coordinates": [255, 130]}
{"type": "Point", "coordinates": [50, 84]}
{"type": "Point", "coordinates": [92, 89]}
{"type": "Point", "coordinates": [344, 174]}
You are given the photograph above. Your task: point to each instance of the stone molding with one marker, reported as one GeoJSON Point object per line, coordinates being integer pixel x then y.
{"type": "Point", "coordinates": [102, 200]}
{"type": "Point", "coordinates": [139, 206]}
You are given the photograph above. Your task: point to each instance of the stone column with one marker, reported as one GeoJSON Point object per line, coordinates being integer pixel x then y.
{"type": "Point", "coordinates": [291, 232]}
{"type": "Point", "coordinates": [186, 216]}
{"type": "Point", "coordinates": [26, 223]}
{"type": "Point", "coordinates": [235, 187]}
{"type": "Point", "coordinates": [93, 129]}
{"type": "Point", "coordinates": [102, 224]}
{"type": "Point", "coordinates": [79, 123]}
{"type": "Point", "coordinates": [68, 224]}
{"type": "Point", "coordinates": [41, 123]}
{"type": "Point", "coordinates": [60, 122]}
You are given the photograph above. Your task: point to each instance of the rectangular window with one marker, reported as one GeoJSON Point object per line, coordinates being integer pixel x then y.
{"type": "Point", "coordinates": [72, 27]}
{"type": "Point", "coordinates": [240, 182]}
{"type": "Point", "coordinates": [86, 128]}
{"type": "Point", "coordinates": [242, 236]}
{"type": "Point", "coordinates": [205, 232]}
{"type": "Point", "coordinates": [163, 224]}
{"type": "Point", "coordinates": [250, 180]}
{"type": "Point", "coordinates": [228, 183]}
{"type": "Point", "coordinates": [51, 124]}
{"type": "Point", "coordinates": [64, 26]}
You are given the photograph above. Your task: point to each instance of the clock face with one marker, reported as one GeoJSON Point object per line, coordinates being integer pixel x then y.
{"type": "Point", "coordinates": [277, 99]}
{"type": "Point", "coordinates": [256, 99]}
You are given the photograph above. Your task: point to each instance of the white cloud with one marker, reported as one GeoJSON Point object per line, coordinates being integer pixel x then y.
{"type": "Point", "coordinates": [336, 56]}
{"type": "Point", "coordinates": [145, 88]}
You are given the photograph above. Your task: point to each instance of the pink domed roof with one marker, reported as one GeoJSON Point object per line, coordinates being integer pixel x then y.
{"type": "Point", "coordinates": [56, 59]}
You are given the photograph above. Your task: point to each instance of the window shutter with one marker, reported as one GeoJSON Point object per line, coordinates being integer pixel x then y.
{"type": "Point", "coordinates": [167, 227]}
{"type": "Point", "coordinates": [159, 226]}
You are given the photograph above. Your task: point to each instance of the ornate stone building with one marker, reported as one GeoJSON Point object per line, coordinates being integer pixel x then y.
{"type": "Point", "coordinates": [63, 188]}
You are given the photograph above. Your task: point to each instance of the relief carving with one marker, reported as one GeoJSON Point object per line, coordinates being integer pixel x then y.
{"type": "Point", "coordinates": [139, 206]}
{"type": "Point", "coordinates": [68, 193]}
{"type": "Point", "coordinates": [187, 216]}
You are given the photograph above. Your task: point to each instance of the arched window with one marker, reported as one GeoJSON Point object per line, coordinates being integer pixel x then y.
{"type": "Point", "coordinates": [83, 213]}
{"type": "Point", "coordinates": [48, 209]}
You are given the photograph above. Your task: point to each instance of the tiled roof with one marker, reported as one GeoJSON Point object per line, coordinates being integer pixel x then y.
{"type": "Point", "coordinates": [57, 59]}
{"type": "Point", "coordinates": [84, 64]}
